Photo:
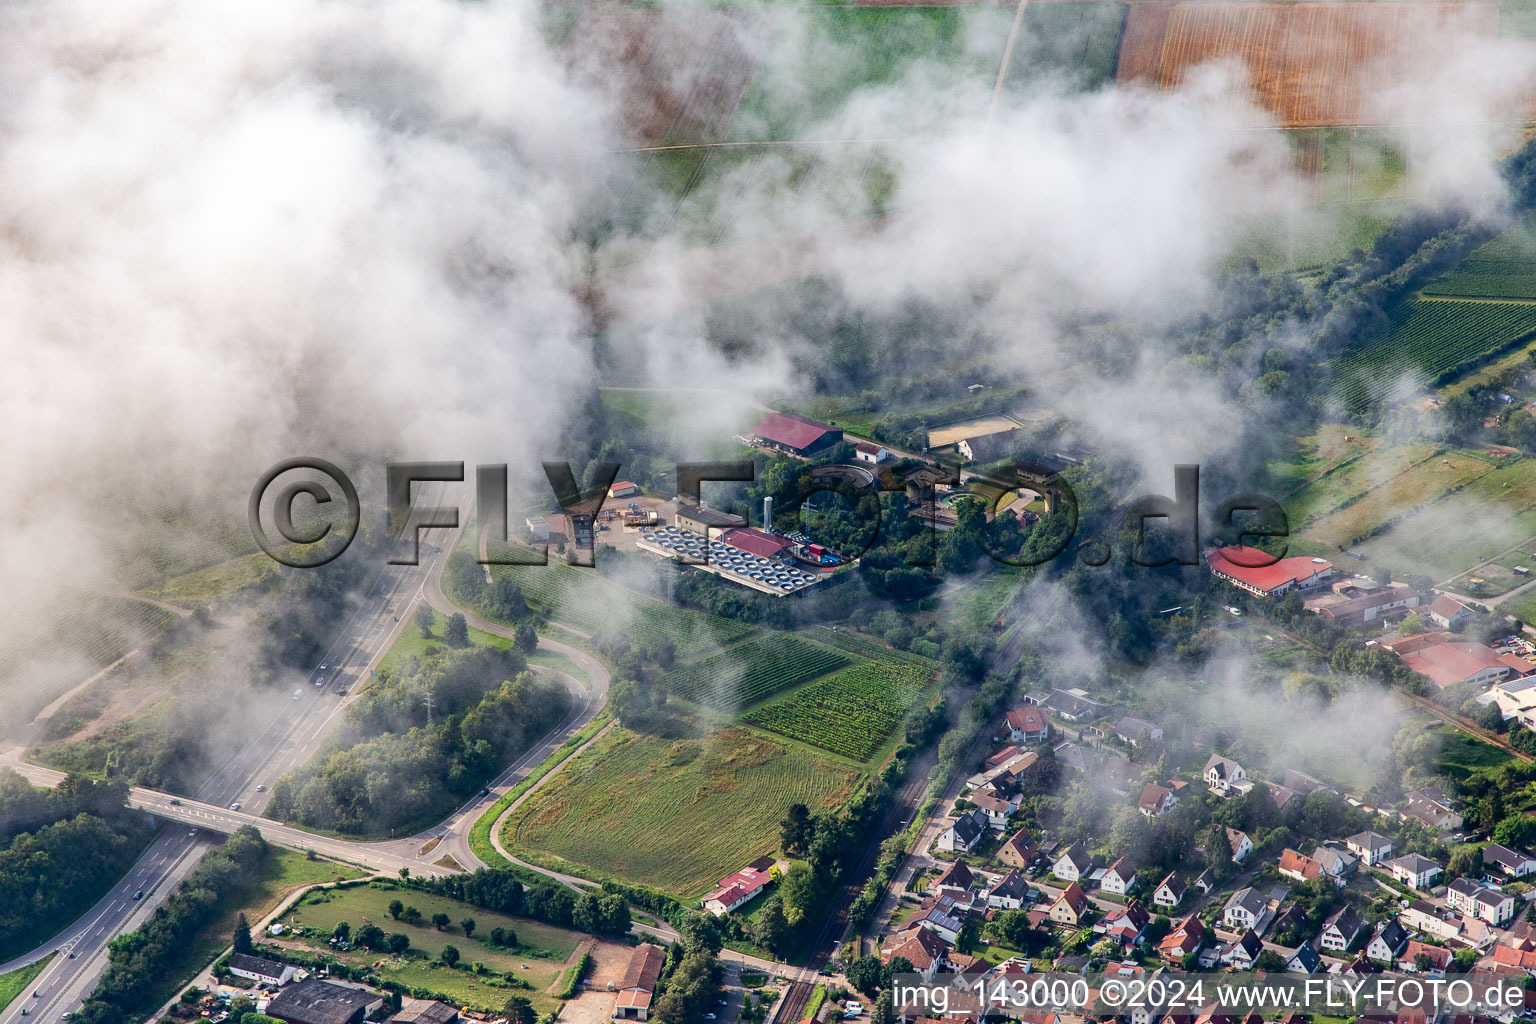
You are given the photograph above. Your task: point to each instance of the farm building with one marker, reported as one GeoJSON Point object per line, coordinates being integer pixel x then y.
{"type": "Point", "coordinates": [260, 969]}
{"type": "Point", "coordinates": [639, 983]}
{"type": "Point", "coordinates": [1446, 660]}
{"type": "Point", "coordinates": [313, 1001]}
{"type": "Point", "coordinates": [1246, 568]}
{"type": "Point", "coordinates": [701, 519]}
{"type": "Point", "coordinates": [737, 889]}
{"type": "Point", "coordinates": [874, 454]}
{"type": "Point", "coordinates": [795, 434]}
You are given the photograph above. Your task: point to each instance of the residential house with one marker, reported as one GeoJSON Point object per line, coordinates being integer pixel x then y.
{"type": "Point", "coordinates": [1119, 878]}
{"type": "Point", "coordinates": [1445, 612]}
{"type": "Point", "coordinates": [1134, 730]}
{"type": "Point", "coordinates": [1295, 865]}
{"type": "Point", "coordinates": [313, 1001]}
{"type": "Point", "coordinates": [1155, 800]}
{"type": "Point", "coordinates": [1170, 891]}
{"type": "Point", "coordinates": [1429, 919]}
{"type": "Point", "coordinates": [1479, 901]}
{"type": "Point", "coordinates": [928, 953]}
{"type": "Point", "coordinates": [996, 807]}
{"type": "Point", "coordinates": [1073, 705]}
{"type": "Point", "coordinates": [1388, 942]}
{"type": "Point", "coordinates": [1520, 959]}
{"type": "Point", "coordinates": [1340, 930]}
{"type": "Point", "coordinates": [1009, 892]}
{"type": "Point", "coordinates": [1027, 725]}
{"type": "Point", "coordinates": [1127, 925]}
{"type": "Point", "coordinates": [1241, 845]}
{"type": "Point", "coordinates": [1414, 871]}
{"type": "Point", "coordinates": [955, 881]}
{"type": "Point", "coordinates": [1185, 938]}
{"type": "Point", "coordinates": [1305, 960]}
{"type": "Point", "coordinates": [1432, 808]}
{"type": "Point", "coordinates": [1073, 863]}
{"type": "Point", "coordinates": [1069, 906]}
{"type": "Point", "coordinates": [1019, 850]}
{"type": "Point", "coordinates": [1223, 775]}
{"type": "Point", "coordinates": [942, 916]}
{"type": "Point", "coordinates": [1371, 847]}
{"type": "Point", "coordinates": [1242, 952]}
{"type": "Point", "coordinates": [965, 833]}
{"type": "Point", "coordinates": [1335, 862]}
{"type": "Point", "coordinates": [260, 969]}
{"type": "Point", "coordinates": [639, 982]}
{"type": "Point", "coordinates": [1514, 863]}
{"type": "Point", "coordinates": [1244, 908]}
{"type": "Point", "coordinates": [1435, 959]}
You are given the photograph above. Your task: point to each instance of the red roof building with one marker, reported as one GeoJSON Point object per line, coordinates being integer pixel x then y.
{"type": "Point", "coordinates": [795, 434]}
{"type": "Point", "coordinates": [755, 542]}
{"type": "Point", "coordinates": [1258, 572]}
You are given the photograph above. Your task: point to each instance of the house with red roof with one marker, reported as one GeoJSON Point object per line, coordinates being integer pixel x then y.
{"type": "Point", "coordinates": [735, 890]}
{"type": "Point", "coordinates": [1262, 574]}
{"type": "Point", "coordinates": [639, 982]}
{"type": "Point", "coordinates": [795, 434]}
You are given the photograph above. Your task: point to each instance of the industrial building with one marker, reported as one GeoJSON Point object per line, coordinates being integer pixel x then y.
{"type": "Point", "coordinates": [703, 520]}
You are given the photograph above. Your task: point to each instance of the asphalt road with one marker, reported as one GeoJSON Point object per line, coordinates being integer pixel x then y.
{"type": "Point", "coordinates": [283, 734]}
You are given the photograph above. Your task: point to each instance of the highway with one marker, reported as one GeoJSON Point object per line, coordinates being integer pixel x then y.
{"type": "Point", "coordinates": [283, 734]}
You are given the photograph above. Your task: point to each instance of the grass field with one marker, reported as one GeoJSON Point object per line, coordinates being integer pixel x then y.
{"type": "Point", "coordinates": [1449, 536]}
{"type": "Point", "coordinates": [203, 586]}
{"type": "Point", "coordinates": [752, 670]}
{"type": "Point", "coordinates": [678, 808]}
{"type": "Point", "coordinates": [850, 712]}
{"type": "Point", "coordinates": [538, 958]}
{"type": "Point", "coordinates": [280, 873]}
{"type": "Point", "coordinates": [1352, 477]}
{"type": "Point", "coordinates": [842, 51]}
{"type": "Point", "coordinates": [583, 600]}
{"type": "Point", "coordinates": [16, 982]}
{"type": "Point", "coordinates": [1076, 43]}
{"type": "Point", "coordinates": [1400, 496]}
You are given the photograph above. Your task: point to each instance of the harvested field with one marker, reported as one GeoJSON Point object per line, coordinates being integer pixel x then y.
{"type": "Point", "coordinates": [1310, 64]}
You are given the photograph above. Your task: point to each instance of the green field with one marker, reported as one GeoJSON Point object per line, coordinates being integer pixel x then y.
{"type": "Point", "coordinates": [1433, 340]}
{"type": "Point", "coordinates": [1478, 522]}
{"type": "Point", "coordinates": [843, 51]}
{"type": "Point", "coordinates": [538, 958]}
{"type": "Point", "coordinates": [16, 982]}
{"type": "Point", "coordinates": [583, 600]}
{"type": "Point", "coordinates": [676, 809]}
{"type": "Point", "coordinates": [1077, 43]}
{"type": "Point", "coordinates": [280, 873]}
{"type": "Point", "coordinates": [850, 712]}
{"type": "Point", "coordinates": [752, 670]}
{"type": "Point", "coordinates": [1398, 497]}
{"type": "Point", "coordinates": [1353, 476]}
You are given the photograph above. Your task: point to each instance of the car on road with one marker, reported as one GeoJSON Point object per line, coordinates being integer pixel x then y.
{"type": "Point", "coordinates": [235, 806]}
{"type": "Point", "coordinates": [139, 895]}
